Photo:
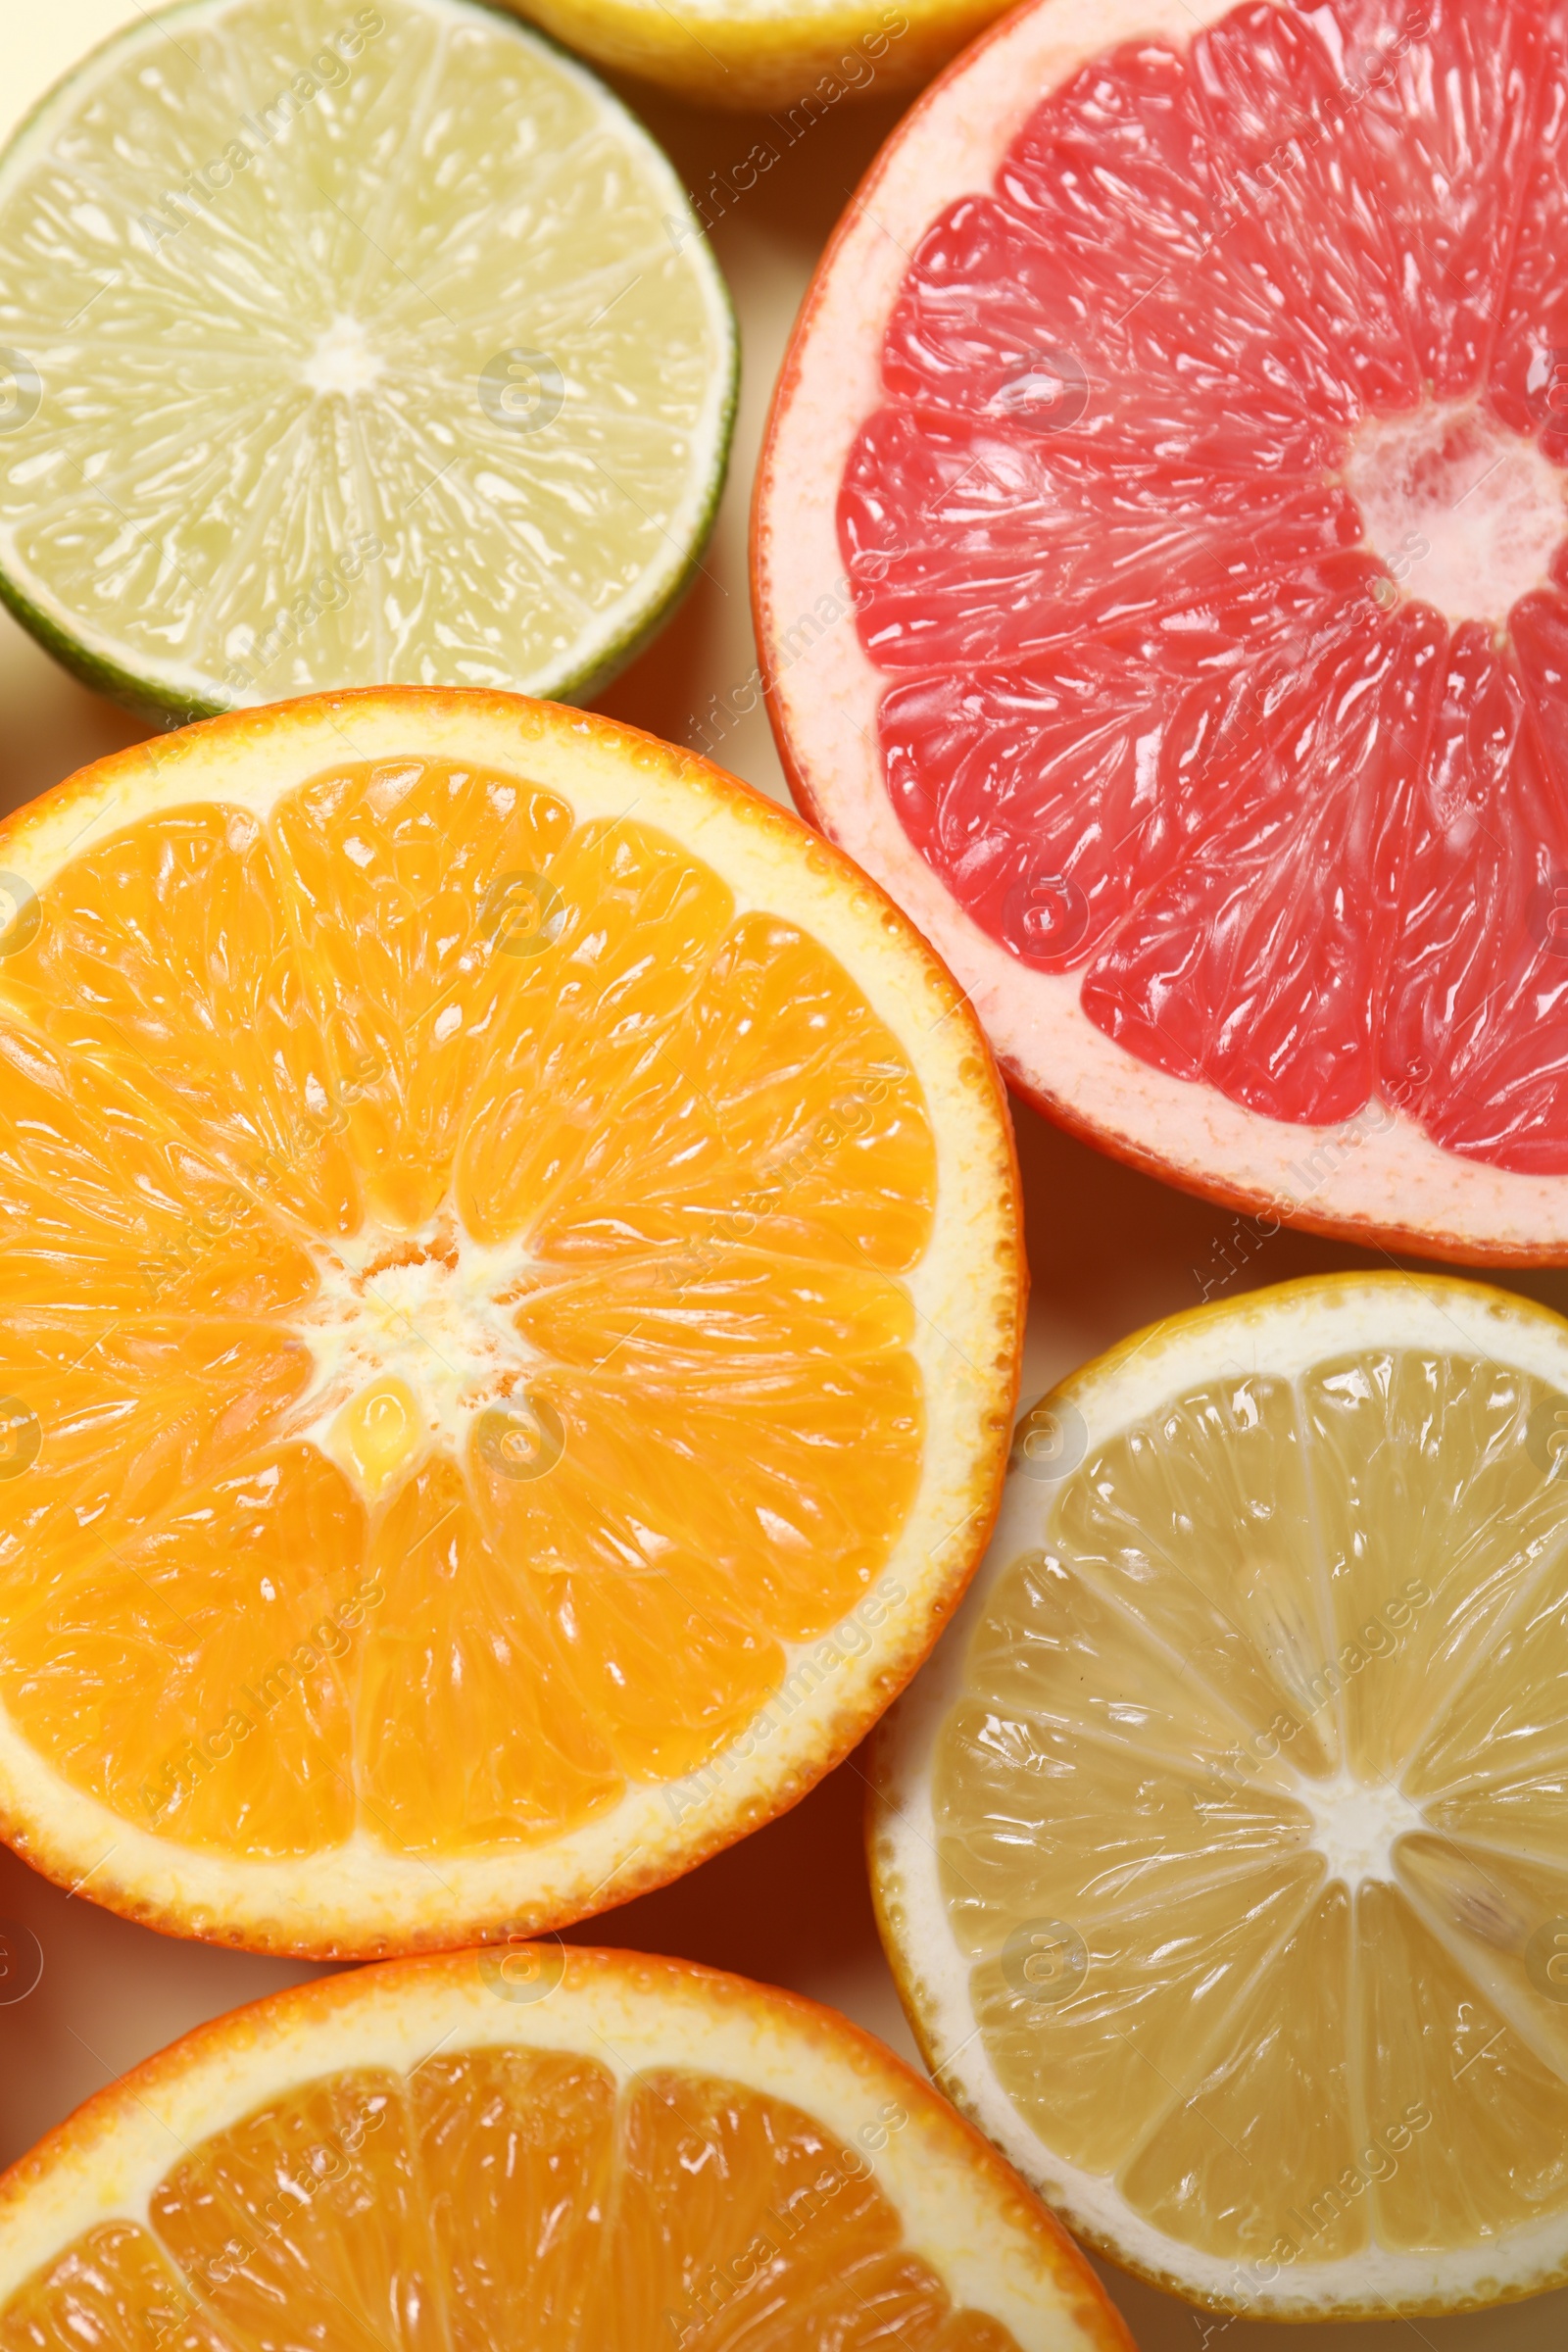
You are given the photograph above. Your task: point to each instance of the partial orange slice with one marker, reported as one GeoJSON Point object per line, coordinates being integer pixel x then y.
{"type": "Point", "coordinates": [508, 1319]}
{"type": "Point", "coordinates": [541, 2148]}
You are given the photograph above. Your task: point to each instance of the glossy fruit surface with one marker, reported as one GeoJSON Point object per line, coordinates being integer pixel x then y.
{"type": "Point", "coordinates": [798, 57]}
{"type": "Point", "coordinates": [1161, 561]}
{"type": "Point", "coordinates": [1221, 1848]}
{"type": "Point", "coordinates": [511, 1318]}
{"type": "Point", "coordinates": [345, 349]}
{"type": "Point", "coordinates": [563, 2149]}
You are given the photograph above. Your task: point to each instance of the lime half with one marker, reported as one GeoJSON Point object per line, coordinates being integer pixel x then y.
{"type": "Point", "coordinates": [342, 347]}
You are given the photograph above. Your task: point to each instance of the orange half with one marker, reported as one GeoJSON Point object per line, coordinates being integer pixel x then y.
{"type": "Point", "coordinates": [543, 2148]}
{"type": "Point", "coordinates": [508, 1320]}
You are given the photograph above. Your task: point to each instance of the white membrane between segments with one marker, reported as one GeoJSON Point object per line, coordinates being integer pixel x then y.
{"type": "Point", "coordinates": [1282, 1334]}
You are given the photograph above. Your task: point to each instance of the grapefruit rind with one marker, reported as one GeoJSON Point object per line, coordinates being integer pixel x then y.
{"type": "Point", "coordinates": [360, 1900]}
{"type": "Point", "coordinates": [1377, 1178]}
{"type": "Point", "coordinates": [1283, 1331]}
{"type": "Point", "coordinates": [964, 2211]}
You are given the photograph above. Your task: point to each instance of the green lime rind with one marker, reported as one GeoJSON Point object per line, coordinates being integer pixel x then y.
{"type": "Point", "coordinates": [95, 670]}
{"type": "Point", "coordinates": [122, 679]}
{"type": "Point", "coordinates": [592, 678]}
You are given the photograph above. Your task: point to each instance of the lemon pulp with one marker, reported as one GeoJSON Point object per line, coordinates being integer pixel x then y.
{"type": "Point", "coordinates": [1251, 1811]}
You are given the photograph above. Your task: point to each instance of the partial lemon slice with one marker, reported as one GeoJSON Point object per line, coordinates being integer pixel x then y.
{"type": "Point", "coordinates": [1221, 1851]}
{"type": "Point", "coordinates": [801, 56]}
{"type": "Point", "coordinates": [541, 2148]}
{"type": "Point", "coordinates": [343, 347]}
{"type": "Point", "coordinates": [508, 1321]}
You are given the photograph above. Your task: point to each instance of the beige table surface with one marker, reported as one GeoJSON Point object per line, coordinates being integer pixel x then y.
{"type": "Point", "coordinates": [1108, 1250]}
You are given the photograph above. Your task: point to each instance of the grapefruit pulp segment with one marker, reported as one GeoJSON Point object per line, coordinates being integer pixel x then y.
{"type": "Point", "coordinates": [1218, 972]}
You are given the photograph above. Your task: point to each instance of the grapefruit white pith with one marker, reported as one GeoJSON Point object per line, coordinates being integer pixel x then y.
{"type": "Point", "coordinates": [1159, 569]}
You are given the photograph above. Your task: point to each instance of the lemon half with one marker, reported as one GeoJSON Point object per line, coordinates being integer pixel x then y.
{"type": "Point", "coordinates": [1222, 1851]}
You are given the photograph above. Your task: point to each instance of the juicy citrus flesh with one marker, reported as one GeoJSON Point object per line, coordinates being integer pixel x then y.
{"type": "Point", "coordinates": [556, 2148]}
{"type": "Point", "coordinates": [1250, 1804]}
{"type": "Point", "coordinates": [458, 1326]}
{"type": "Point", "coordinates": [356, 348]}
{"type": "Point", "coordinates": [507, 2195]}
{"type": "Point", "coordinates": [1209, 542]}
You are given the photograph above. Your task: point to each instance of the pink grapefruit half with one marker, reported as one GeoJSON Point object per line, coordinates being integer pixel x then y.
{"type": "Point", "coordinates": [1160, 556]}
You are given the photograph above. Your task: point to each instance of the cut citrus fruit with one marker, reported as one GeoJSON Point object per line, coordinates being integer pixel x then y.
{"type": "Point", "coordinates": [805, 55]}
{"type": "Point", "coordinates": [509, 1318]}
{"type": "Point", "coordinates": [1221, 1848]}
{"type": "Point", "coordinates": [543, 2148]}
{"type": "Point", "coordinates": [1162, 563]}
{"type": "Point", "coordinates": [348, 348]}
